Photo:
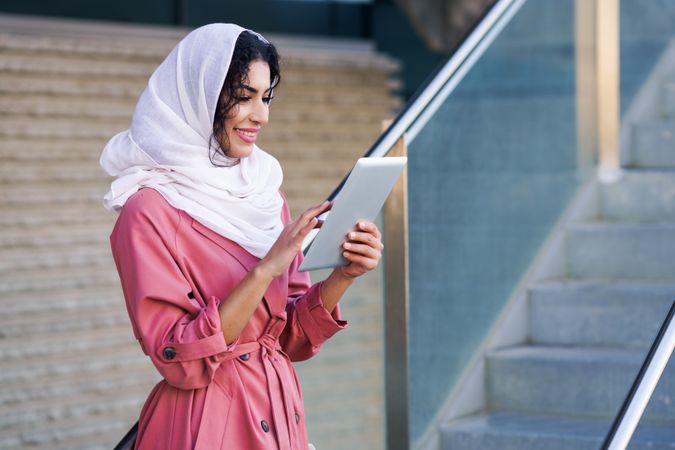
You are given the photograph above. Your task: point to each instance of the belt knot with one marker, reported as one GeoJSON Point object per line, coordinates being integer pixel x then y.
{"type": "Point", "coordinates": [269, 342]}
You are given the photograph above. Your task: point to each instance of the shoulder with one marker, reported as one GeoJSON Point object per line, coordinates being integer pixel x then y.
{"type": "Point", "coordinates": [148, 208]}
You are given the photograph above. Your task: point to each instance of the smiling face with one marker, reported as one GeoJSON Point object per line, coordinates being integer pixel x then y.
{"type": "Point", "coordinates": [251, 111]}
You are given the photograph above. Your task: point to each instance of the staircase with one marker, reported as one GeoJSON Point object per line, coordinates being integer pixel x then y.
{"type": "Point", "coordinates": [590, 331]}
{"type": "Point", "coordinates": [72, 375]}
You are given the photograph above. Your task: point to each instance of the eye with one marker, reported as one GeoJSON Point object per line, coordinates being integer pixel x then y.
{"type": "Point", "coordinates": [242, 99]}
{"type": "Point", "coordinates": [267, 100]}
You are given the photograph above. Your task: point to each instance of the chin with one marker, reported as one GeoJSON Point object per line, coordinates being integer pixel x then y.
{"type": "Point", "coordinates": [240, 152]}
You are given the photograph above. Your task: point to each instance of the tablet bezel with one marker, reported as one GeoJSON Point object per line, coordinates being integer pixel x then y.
{"type": "Point", "coordinates": [361, 198]}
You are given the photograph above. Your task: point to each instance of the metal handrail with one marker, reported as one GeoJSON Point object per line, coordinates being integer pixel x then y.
{"type": "Point", "coordinates": [641, 391]}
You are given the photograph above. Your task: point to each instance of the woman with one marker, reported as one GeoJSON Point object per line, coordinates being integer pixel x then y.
{"type": "Point", "coordinates": [208, 255]}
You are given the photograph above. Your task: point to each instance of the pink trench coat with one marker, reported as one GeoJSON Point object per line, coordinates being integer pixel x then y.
{"type": "Point", "coordinates": [245, 395]}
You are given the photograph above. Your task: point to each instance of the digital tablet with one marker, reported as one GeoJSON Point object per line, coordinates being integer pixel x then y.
{"type": "Point", "coordinates": [361, 198]}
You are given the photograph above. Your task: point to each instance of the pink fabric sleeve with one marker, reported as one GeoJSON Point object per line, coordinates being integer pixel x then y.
{"type": "Point", "coordinates": [181, 334]}
{"type": "Point", "coordinates": [308, 324]}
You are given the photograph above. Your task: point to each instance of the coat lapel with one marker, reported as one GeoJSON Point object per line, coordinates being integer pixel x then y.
{"type": "Point", "coordinates": [275, 296]}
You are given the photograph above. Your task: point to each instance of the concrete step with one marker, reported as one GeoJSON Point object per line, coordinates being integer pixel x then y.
{"type": "Point", "coordinates": [73, 319]}
{"type": "Point", "coordinates": [17, 237]}
{"type": "Point", "coordinates": [67, 171]}
{"type": "Point", "coordinates": [66, 361]}
{"type": "Point", "coordinates": [49, 257]}
{"type": "Point", "coordinates": [616, 251]}
{"type": "Point", "coordinates": [652, 145]}
{"type": "Point", "coordinates": [45, 395]}
{"type": "Point", "coordinates": [310, 71]}
{"type": "Point", "coordinates": [57, 279]}
{"type": "Point", "coordinates": [81, 433]}
{"type": "Point", "coordinates": [81, 406]}
{"type": "Point", "coordinates": [640, 196]}
{"type": "Point", "coordinates": [39, 86]}
{"type": "Point", "coordinates": [36, 216]}
{"type": "Point", "coordinates": [19, 304]}
{"type": "Point", "coordinates": [59, 106]}
{"type": "Point", "coordinates": [141, 49]}
{"type": "Point", "coordinates": [15, 394]}
{"type": "Point", "coordinates": [14, 126]}
{"type": "Point", "coordinates": [33, 349]}
{"type": "Point", "coordinates": [589, 313]}
{"type": "Point", "coordinates": [512, 431]}
{"type": "Point", "coordinates": [578, 382]}
{"type": "Point", "coordinates": [42, 150]}
{"type": "Point", "coordinates": [86, 194]}
{"type": "Point", "coordinates": [74, 66]}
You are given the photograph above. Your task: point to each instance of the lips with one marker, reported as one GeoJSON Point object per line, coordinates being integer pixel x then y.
{"type": "Point", "coordinates": [248, 135]}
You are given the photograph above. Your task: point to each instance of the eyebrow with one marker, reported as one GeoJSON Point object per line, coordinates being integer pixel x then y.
{"type": "Point", "coordinates": [252, 89]}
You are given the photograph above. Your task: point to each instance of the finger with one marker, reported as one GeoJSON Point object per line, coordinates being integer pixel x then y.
{"type": "Point", "coordinates": [369, 227]}
{"type": "Point", "coordinates": [362, 249]}
{"type": "Point", "coordinates": [365, 238]}
{"type": "Point", "coordinates": [307, 216]}
{"type": "Point", "coordinates": [366, 263]}
{"type": "Point", "coordinates": [319, 209]}
{"type": "Point", "coordinates": [304, 231]}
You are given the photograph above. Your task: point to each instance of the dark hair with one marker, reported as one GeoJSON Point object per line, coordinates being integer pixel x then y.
{"type": "Point", "coordinates": [248, 48]}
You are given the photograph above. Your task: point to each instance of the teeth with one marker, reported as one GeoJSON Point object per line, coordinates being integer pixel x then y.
{"type": "Point", "coordinates": [246, 133]}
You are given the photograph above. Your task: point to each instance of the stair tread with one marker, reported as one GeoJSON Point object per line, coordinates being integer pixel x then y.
{"type": "Point", "coordinates": [71, 433]}
{"type": "Point", "coordinates": [541, 426]}
{"type": "Point", "coordinates": [591, 355]}
{"type": "Point", "coordinates": [620, 314]}
{"type": "Point", "coordinates": [83, 405]}
{"type": "Point", "coordinates": [146, 48]}
{"type": "Point", "coordinates": [28, 302]}
{"type": "Point", "coordinates": [28, 282]}
{"type": "Point", "coordinates": [35, 348]}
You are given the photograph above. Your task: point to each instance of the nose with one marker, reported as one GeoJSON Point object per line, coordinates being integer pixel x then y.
{"type": "Point", "coordinates": [260, 113]}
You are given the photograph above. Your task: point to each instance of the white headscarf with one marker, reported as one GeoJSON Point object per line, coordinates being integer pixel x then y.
{"type": "Point", "coordinates": [167, 147]}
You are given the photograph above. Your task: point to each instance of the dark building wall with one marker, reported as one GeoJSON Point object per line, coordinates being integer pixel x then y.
{"type": "Point", "coordinates": [327, 18]}
{"type": "Point", "coordinates": [380, 20]}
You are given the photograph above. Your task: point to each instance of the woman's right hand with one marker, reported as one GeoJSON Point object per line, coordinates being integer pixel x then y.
{"type": "Point", "coordinates": [289, 242]}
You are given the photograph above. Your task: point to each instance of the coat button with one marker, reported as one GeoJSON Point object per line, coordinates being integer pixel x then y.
{"type": "Point", "coordinates": [169, 353]}
{"type": "Point", "coordinates": [264, 426]}
{"type": "Point", "coordinates": [245, 356]}
{"type": "Point", "coordinates": [297, 418]}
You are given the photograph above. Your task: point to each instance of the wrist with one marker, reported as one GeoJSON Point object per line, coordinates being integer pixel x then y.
{"type": "Point", "coordinates": [263, 271]}
{"type": "Point", "coordinates": [340, 273]}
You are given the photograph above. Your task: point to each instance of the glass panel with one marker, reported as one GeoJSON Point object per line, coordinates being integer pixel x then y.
{"type": "Point", "coordinates": [489, 176]}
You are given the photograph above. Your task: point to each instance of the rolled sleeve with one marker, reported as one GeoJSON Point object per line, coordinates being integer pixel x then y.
{"type": "Point", "coordinates": [201, 337]}
{"type": "Point", "coordinates": [309, 325]}
{"type": "Point", "coordinates": [317, 323]}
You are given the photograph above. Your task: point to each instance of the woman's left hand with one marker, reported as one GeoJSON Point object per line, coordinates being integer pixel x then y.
{"type": "Point", "coordinates": [362, 248]}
